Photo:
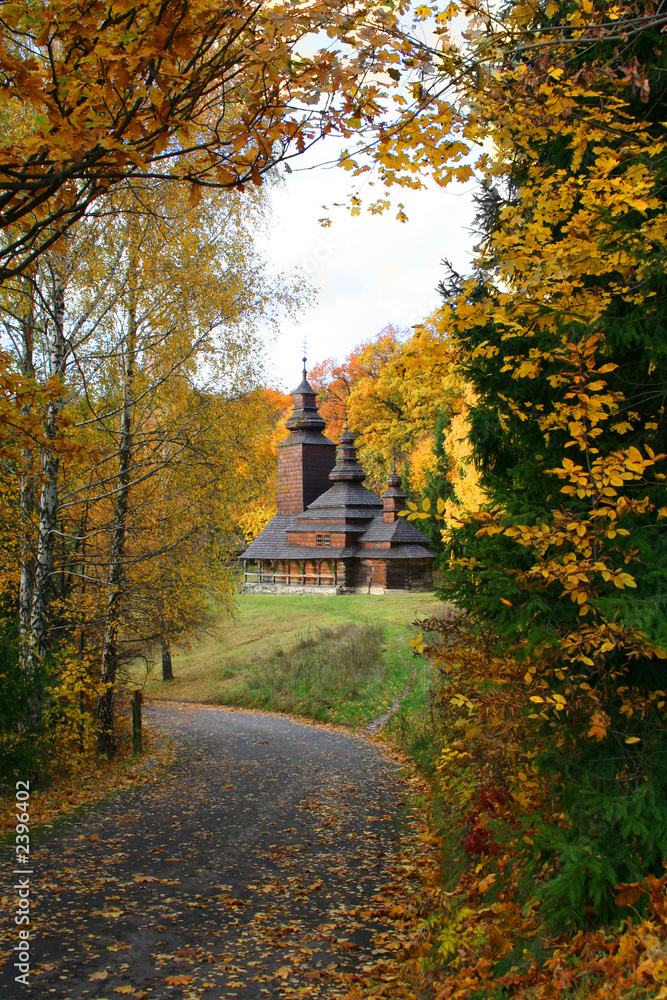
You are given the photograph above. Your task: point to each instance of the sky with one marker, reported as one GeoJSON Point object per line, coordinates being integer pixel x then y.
{"type": "Point", "coordinates": [367, 270]}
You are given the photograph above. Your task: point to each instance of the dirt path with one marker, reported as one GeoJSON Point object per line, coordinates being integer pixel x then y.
{"type": "Point", "coordinates": [254, 869]}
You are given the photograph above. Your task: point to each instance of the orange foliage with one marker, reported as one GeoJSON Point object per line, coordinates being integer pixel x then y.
{"type": "Point", "coordinates": [391, 402]}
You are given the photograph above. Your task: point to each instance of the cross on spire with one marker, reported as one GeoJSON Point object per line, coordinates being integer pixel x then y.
{"type": "Point", "coordinates": [304, 348]}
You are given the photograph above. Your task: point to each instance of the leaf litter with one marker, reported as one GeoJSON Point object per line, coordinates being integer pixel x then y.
{"type": "Point", "coordinates": [298, 881]}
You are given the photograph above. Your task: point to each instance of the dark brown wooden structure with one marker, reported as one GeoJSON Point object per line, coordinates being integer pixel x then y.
{"type": "Point", "coordinates": [331, 534]}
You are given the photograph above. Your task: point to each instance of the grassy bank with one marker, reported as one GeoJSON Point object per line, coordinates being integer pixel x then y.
{"type": "Point", "coordinates": [335, 659]}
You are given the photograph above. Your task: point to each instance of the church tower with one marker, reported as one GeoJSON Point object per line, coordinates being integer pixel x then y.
{"type": "Point", "coordinates": [306, 457]}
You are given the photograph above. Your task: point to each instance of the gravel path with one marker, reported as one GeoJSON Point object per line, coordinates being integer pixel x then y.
{"type": "Point", "coordinates": [248, 871]}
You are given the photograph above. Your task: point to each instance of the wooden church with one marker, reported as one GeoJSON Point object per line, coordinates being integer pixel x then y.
{"type": "Point", "coordinates": [331, 534]}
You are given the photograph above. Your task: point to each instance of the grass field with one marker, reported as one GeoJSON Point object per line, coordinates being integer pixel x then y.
{"type": "Point", "coordinates": [341, 659]}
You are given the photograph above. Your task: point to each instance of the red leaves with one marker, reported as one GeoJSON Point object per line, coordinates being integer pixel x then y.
{"type": "Point", "coordinates": [491, 798]}
{"type": "Point", "coordinates": [479, 839]}
{"type": "Point", "coordinates": [478, 842]}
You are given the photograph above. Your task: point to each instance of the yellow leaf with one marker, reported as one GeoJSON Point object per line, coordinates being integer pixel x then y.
{"type": "Point", "coordinates": [426, 504]}
{"type": "Point", "coordinates": [632, 739]}
{"type": "Point", "coordinates": [487, 882]}
{"type": "Point", "coordinates": [504, 601]}
{"type": "Point", "coordinates": [499, 942]}
{"type": "Point", "coordinates": [599, 726]}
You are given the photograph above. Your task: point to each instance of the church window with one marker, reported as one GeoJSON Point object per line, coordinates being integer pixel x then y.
{"type": "Point", "coordinates": [319, 541]}
{"type": "Point", "coordinates": [327, 541]}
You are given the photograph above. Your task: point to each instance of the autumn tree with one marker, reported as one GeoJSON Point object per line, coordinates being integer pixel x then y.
{"type": "Point", "coordinates": [158, 301]}
{"type": "Point", "coordinates": [557, 332]}
{"type": "Point", "coordinates": [96, 93]}
{"type": "Point", "coordinates": [271, 409]}
{"type": "Point", "coordinates": [390, 404]}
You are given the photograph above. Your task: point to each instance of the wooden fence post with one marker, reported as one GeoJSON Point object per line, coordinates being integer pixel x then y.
{"type": "Point", "coordinates": [136, 722]}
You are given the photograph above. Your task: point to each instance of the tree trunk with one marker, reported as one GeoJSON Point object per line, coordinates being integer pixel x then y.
{"type": "Point", "coordinates": [48, 506]}
{"type": "Point", "coordinates": [167, 672]}
{"type": "Point", "coordinates": [105, 704]}
{"type": "Point", "coordinates": [27, 492]}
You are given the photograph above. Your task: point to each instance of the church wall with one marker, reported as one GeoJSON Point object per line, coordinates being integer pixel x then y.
{"type": "Point", "coordinates": [318, 461]}
{"type": "Point", "coordinates": [396, 575]}
{"type": "Point", "coordinates": [337, 540]}
{"type": "Point", "coordinates": [290, 480]}
{"type": "Point", "coordinates": [413, 574]}
{"type": "Point", "coordinates": [346, 571]}
{"type": "Point", "coordinates": [303, 474]}
{"type": "Point", "coordinates": [373, 571]}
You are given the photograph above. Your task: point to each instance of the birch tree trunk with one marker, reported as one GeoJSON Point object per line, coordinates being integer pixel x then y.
{"type": "Point", "coordinates": [26, 491]}
{"type": "Point", "coordinates": [48, 505]}
{"type": "Point", "coordinates": [106, 700]}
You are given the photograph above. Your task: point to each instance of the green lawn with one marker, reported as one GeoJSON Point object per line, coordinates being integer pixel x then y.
{"type": "Point", "coordinates": [342, 659]}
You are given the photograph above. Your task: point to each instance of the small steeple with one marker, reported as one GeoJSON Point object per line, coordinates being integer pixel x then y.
{"type": "Point", "coordinates": [304, 415]}
{"type": "Point", "coordinates": [393, 498]}
{"type": "Point", "coordinates": [347, 468]}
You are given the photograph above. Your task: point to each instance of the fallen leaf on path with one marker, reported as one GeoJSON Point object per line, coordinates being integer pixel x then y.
{"type": "Point", "coordinates": [487, 882]}
{"type": "Point", "coordinates": [563, 979]}
{"type": "Point", "coordinates": [499, 942]}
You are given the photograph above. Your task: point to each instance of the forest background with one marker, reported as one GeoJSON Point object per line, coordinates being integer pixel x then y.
{"type": "Point", "coordinates": [527, 414]}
